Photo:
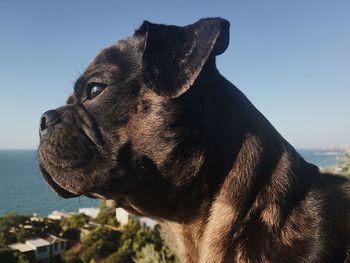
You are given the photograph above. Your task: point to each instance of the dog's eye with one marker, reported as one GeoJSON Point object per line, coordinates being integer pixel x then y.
{"type": "Point", "coordinates": [94, 90]}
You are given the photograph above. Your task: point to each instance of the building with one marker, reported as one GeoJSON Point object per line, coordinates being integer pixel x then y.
{"type": "Point", "coordinates": [38, 249]}
{"type": "Point", "coordinates": [123, 218]}
{"type": "Point", "coordinates": [57, 246]}
{"type": "Point", "coordinates": [58, 215]}
{"type": "Point", "coordinates": [25, 249]}
{"type": "Point", "coordinates": [42, 250]}
{"type": "Point", "coordinates": [90, 211]}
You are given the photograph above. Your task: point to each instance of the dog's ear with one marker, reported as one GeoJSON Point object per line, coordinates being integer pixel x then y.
{"type": "Point", "coordinates": [174, 56]}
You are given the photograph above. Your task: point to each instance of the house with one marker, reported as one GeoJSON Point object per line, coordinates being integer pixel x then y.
{"type": "Point", "coordinates": [38, 249]}
{"type": "Point", "coordinates": [57, 246]}
{"type": "Point", "coordinates": [58, 215]}
{"type": "Point", "coordinates": [123, 218]}
{"type": "Point", "coordinates": [25, 249]}
{"type": "Point", "coordinates": [42, 250]}
{"type": "Point", "coordinates": [90, 211]}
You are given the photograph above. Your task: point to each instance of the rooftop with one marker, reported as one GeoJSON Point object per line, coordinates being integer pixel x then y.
{"type": "Point", "coordinates": [61, 213]}
{"type": "Point", "coordinates": [90, 211]}
{"type": "Point", "coordinates": [53, 239]}
{"type": "Point", "coordinates": [21, 247]}
{"type": "Point", "coordinates": [37, 242]}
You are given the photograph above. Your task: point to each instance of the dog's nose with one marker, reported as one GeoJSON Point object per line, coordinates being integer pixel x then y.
{"type": "Point", "coordinates": [49, 118]}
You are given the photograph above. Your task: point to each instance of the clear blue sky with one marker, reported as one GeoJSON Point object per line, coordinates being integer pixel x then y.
{"type": "Point", "coordinates": [291, 58]}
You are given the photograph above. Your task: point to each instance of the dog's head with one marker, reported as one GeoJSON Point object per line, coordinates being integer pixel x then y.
{"type": "Point", "coordinates": [131, 131]}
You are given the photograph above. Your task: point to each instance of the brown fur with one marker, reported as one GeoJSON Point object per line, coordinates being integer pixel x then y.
{"type": "Point", "coordinates": [170, 138]}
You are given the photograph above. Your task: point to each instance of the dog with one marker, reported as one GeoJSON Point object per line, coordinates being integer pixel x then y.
{"type": "Point", "coordinates": [153, 126]}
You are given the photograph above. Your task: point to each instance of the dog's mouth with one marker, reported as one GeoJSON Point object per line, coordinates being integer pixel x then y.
{"type": "Point", "coordinates": [57, 188]}
{"type": "Point", "coordinates": [63, 191]}
{"type": "Point", "coordinates": [68, 152]}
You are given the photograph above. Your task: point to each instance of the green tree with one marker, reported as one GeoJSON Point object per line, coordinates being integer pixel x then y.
{"type": "Point", "coordinates": [46, 225]}
{"type": "Point", "coordinates": [12, 228]}
{"type": "Point", "coordinates": [133, 238]}
{"type": "Point", "coordinates": [71, 257]}
{"type": "Point", "coordinates": [149, 254]}
{"type": "Point", "coordinates": [99, 244]}
{"type": "Point", "coordinates": [72, 234]}
{"type": "Point", "coordinates": [142, 244]}
{"type": "Point", "coordinates": [71, 225]}
{"type": "Point", "coordinates": [166, 254]}
{"type": "Point", "coordinates": [74, 221]}
{"type": "Point", "coordinates": [123, 255]}
{"type": "Point", "coordinates": [106, 215]}
{"type": "Point", "coordinates": [9, 255]}
{"type": "Point", "coordinates": [19, 228]}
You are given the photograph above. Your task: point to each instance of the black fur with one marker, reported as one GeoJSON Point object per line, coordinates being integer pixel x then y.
{"type": "Point", "coordinates": [172, 139]}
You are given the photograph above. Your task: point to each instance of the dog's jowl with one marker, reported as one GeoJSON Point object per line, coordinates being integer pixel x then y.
{"type": "Point", "coordinates": [153, 126]}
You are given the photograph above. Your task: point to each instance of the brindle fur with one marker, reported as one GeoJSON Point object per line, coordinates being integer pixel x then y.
{"type": "Point", "coordinates": [172, 139]}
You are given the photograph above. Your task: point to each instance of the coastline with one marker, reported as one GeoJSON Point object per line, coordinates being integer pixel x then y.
{"type": "Point", "coordinates": [24, 191]}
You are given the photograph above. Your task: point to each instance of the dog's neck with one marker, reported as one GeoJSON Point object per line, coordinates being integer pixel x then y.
{"type": "Point", "coordinates": [249, 169]}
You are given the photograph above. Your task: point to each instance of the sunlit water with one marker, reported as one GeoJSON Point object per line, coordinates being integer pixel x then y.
{"type": "Point", "coordinates": [23, 190]}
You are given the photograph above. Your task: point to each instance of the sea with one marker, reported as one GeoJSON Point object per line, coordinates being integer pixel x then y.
{"type": "Point", "coordinates": [22, 189]}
